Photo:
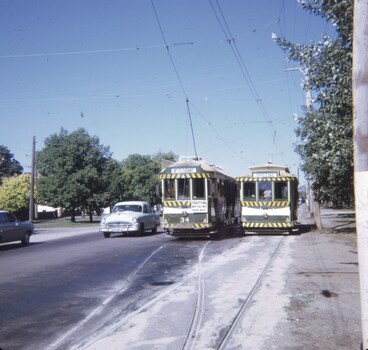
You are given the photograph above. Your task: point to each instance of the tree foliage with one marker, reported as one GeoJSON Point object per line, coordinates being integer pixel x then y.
{"type": "Point", "coordinates": [112, 176]}
{"type": "Point", "coordinates": [140, 176]}
{"type": "Point", "coordinates": [15, 193]}
{"type": "Point", "coordinates": [325, 132]}
{"type": "Point", "coordinates": [8, 165]}
{"type": "Point", "coordinates": [73, 172]}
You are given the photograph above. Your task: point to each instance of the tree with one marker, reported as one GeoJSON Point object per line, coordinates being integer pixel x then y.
{"type": "Point", "coordinates": [113, 178]}
{"type": "Point", "coordinates": [325, 131]}
{"type": "Point", "coordinates": [140, 176]}
{"type": "Point", "coordinates": [72, 170]}
{"type": "Point", "coordinates": [14, 194]}
{"type": "Point", "coordinates": [8, 165]}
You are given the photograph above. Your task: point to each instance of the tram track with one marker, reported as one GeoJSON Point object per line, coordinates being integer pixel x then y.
{"type": "Point", "coordinates": [233, 328]}
{"type": "Point", "coordinates": [199, 308]}
{"type": "Point", "coordinates": [99, 309]}
{"type": "Point", "coordinates": [149, 304]}
{"type": "Point", "coordinates": [195, 290]}
{"type": "Point", "coordinates": [225, 341]}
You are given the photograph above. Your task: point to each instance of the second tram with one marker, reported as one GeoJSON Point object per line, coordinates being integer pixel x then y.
{"type": "Point", "coordinates": [198, 199]}
{"type": "Point", "coordinates": [269, 199]}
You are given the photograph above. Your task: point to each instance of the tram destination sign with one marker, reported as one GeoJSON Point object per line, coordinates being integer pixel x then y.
{"type": "Point", "coordinates": [262, 174]}
{"type": "Point", "coordinates": [183, 170]}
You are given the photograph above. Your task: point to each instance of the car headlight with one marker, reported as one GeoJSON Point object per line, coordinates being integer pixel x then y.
{"type": "Point", "coordinates": [134, 219]}
{"type": "Point", "coordinates": [103, 221]}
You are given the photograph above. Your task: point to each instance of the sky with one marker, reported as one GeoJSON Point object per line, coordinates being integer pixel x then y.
{"type": "Point", "coordinates": [149, 76]}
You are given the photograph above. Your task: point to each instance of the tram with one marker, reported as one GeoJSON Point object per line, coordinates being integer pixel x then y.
{"type": "Point", "coordinates": [269, 199]}
{"type": "Point", "coordinates": [198, 199]}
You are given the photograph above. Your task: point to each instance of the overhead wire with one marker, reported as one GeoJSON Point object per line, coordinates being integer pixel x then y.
{"type": "Point", "coordinates": [282, 32]}
{"type": "Point", "coordinates": [177, 76]}
{"type": "Point", "coordinates": [188, 102]}
{"type": "Point", "coordinates": [282, 28]}
{"type": "Point", "coordinates": [216, 132]}
{"type": "Point", "coordinates": [67, 53]}
{"type": "Point", "coordinates": [245, 73]}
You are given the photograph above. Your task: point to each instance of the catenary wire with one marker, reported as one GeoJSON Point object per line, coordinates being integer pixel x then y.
{"type": "Point", "coordinates": [177, 75]}
{"type": "Point", "coordinates": [246, 75]}
{"type": "Point", "coordinates": [66, 53]}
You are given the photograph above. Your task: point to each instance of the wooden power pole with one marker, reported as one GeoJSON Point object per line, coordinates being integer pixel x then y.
{"type": "Point", "coordinates": [360, 115]}
{"type": "Point", "coordinates": [314, 206]}
{"type": "Point", "coordinates": [33, 171]}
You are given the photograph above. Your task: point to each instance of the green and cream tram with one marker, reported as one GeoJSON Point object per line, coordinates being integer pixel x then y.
{"type": "Point", "coordinates": [269, 199]}
{"type": "Point", "coordinates": [198, 199]}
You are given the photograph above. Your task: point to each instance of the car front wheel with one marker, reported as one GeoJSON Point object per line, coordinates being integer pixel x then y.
{"type": "Point", "coordinates": [141, 229]}
{"type": "Point", "coordinates": [25, 240]}
{"type": "Point", "coordinates": [106, 234]}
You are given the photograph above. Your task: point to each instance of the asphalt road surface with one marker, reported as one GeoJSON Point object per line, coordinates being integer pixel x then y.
{"type": "Point", "coordinates": [57, 293]}
{"type": "Point", "coordinates": [77, 290]}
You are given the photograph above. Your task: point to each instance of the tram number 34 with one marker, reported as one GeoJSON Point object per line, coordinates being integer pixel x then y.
{"type": "Point", "coordinates": [182, 220]}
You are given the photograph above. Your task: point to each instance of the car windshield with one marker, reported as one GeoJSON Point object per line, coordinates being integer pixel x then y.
{"type": "Point", "coordinates": [127, 207]}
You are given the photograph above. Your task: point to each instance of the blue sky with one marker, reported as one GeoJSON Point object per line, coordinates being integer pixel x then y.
{"type": "Point", "coordinates": [103, 66]}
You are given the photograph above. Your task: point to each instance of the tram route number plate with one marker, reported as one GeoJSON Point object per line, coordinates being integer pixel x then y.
{"type": "Point", "coordinates": [199, 206]}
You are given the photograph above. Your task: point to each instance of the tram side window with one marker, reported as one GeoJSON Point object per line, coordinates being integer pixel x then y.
{"type": "Point", "coordinates": [183, 188]}
{"type": "Point", "coordinates": [220, 190]}
{"type": "Point", "coordinates": [249, 191]}
{"type": "Point", "coordinates": [265, 191]}
{"type": "Point", "coordinates": [281, 191]}
{"type": "Point", "coordinates": [169, 186]}
{"type": "Point", "coordinates": [212, 189]}
{"type": "Point", "coordinates": [198, 188]}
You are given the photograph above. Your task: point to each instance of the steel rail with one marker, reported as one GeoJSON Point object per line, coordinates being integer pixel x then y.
{"type": "Point", "coordinates": [226, 340]}
{"type": "Point", "coordinates": [199, 306]}
{"type": "Point", "coordinates": [123, 287]}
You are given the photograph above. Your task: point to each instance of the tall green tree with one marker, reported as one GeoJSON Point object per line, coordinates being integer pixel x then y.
{"type": "Point", "coordinates": [8, 165]}
{"type": "Point", "coordinates": [72, 170]}
{"type": "Point", "coordinates": [14, 194]}
{"type": "Point", "coordinates": [140, 176]}
{"type": "Point", "coordinates": [325, 134]}
{"type": "Point", "coordinates": [115, 188]}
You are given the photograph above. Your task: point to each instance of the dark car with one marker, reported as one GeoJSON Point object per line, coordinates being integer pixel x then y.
{"type": "Point", "coordinates": [12, 230]}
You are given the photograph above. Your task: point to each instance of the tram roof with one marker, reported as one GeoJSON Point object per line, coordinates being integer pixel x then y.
{"type": "Point", "coordinates": [267, 172]}
{"type": "Point", "coordinates": [193, 168]}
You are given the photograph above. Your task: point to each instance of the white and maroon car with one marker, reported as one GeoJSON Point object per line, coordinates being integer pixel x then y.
{"type": "Point", "coordinates": [130, 217]}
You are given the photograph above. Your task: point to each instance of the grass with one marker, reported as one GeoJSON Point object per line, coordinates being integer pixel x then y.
{"type": "Point", "coordinates": [66, 222]}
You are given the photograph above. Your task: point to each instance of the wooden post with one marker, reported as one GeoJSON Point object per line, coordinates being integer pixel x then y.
{"type": "Point", "coordinates": [360, 123]}
{"type": "Point", "coordinates": [31, 197]}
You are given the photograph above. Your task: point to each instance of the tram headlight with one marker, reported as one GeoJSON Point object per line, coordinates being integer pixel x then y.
{"type": "Point", "coordinates": [265, 216]}
{"type": "Point", "coordinates": [185, 213]}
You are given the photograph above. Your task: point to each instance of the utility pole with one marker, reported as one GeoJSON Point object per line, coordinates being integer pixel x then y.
{"type": "Point", "coordinates": [314, 205]}
{"type": "Point", "coordinates": [33, 170]}
{"type": "Point", "coordinates": [360, 124]}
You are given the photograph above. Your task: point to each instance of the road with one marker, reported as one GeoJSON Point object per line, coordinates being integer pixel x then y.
{"type": "Point", "coordinates": [56, 292]}
{"type": "Point", "coordinates": [82, 291]}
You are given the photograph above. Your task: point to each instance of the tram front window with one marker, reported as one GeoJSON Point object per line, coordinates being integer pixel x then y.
{"type": "Point", "coordinates": [281, 191]}
{"type": "Point", "coordinates": [249, 191]}
{"type": "Point", "coordinates": [183, 188]}
{"type": "Point", "coordinates": [198, 188]}
{"type": "Point", "coordinates": [265, 191]}
{"type": "Point", "coordinates": [169, 187]}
